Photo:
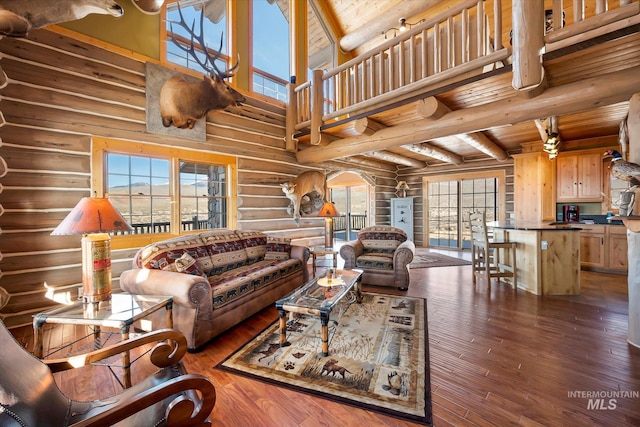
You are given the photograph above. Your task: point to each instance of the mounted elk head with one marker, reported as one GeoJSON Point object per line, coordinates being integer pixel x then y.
{"type": "Point", "coordinates": [183, 103]}
{"type": "Point", "coordinates": [18, 17]}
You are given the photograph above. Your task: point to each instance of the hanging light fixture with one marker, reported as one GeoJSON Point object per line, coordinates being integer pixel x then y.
{"type": "Point", "coordinates": [403, 26]}
{"type": "Point", "coordinates": [551, 146]}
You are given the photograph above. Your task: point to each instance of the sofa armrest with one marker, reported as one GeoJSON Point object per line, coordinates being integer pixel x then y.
{"type": "Point", "coordinates": [404, 253]}
{"type": "Point", "coordinates": [192, 299]}
{"type": "Point", "coordinates": [350, 251]}
{"type": "Point", "coordinates": [302, 253]}
{"type": "Point", "coordinates": [187, 289]}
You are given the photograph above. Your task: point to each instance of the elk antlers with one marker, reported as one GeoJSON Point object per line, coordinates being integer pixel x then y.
{"type": "Point", "coordinates": [209, 63]}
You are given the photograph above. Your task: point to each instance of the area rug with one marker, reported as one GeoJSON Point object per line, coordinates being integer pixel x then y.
{"type": "Point", "coordinates": [378, 357]}
{"type": "Point", "coordinates": [434, 259]}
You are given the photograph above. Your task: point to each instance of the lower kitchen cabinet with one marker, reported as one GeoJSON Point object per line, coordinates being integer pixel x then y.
{"type": "Point", "coordinates": [603, 248]}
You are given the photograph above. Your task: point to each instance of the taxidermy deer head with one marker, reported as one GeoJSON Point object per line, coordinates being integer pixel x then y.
{"type": "Point", "coordinates": [183, 103]}
{"type": "Point", "coordinates": [18, 17]}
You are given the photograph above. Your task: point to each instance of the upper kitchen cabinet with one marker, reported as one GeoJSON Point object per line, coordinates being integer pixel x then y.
{"type": "Point", "coordinates": [579, 177]}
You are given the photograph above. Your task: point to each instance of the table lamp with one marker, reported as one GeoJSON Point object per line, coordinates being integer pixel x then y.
{"type": "Point", "coordinates": [94, 218]}
{"type": "Point", "coordinates": [328, 211]}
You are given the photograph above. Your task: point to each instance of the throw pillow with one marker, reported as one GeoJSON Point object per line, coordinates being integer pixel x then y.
{"type": "Point", "coordinates": [188, 265]}
{"type": "Point", "coordinates": [278, 248]}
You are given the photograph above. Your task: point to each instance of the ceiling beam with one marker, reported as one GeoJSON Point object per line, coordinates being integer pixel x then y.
{"type": "Point", "coordinates": [387, 18]}
{"type": "Point", "coordinates": [435, 152]}
{"type": "Point", "coordinates": [432, 108]}
{"type": "Point", "coordinates": [397, 158]}
{"type": "Point", "coordinates": [583, 95]}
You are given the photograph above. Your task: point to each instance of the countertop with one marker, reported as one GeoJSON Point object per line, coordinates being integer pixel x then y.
{"type": "Point", "coordinates": [535, 225]}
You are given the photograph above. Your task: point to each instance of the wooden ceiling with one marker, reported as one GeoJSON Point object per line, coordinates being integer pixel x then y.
{"type": "Point", "coordinates": [360, 25]}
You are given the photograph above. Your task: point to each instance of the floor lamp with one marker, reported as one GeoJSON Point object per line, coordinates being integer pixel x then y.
{"type": "Point", "coordinates": [328, 212]}
{"type": "Point", "coordinates": [94, 218]}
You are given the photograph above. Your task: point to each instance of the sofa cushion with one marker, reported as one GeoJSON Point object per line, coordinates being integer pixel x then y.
{"type": "Point", "coordinates": [226, 249]}
{"type": "Point", "coordinates": [255, 244]}
{"type": "Point", "coordinates": [229, 289]}
{"type": "Point", "coordinates": [381, 239]}
{"type": "Point", "coordinates": [188, 265]}
{"type": "Point", "coordinates": [375, 261]}
{"type": "Point", "coordinates": [278, 248]}
{"type": "Point", "coordinates": [163, 255]}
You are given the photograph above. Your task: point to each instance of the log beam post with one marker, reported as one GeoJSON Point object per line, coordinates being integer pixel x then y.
{"type": "Point", "coordinates": [291, 144]}
{"type": "Point", "coordinates": [528, 44]}
{"type": "Point", "coordinates": [316, 106]}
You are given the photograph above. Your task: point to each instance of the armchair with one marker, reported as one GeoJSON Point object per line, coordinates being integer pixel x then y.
{"type": "Point", "coordinates": [383, 253]}
{"type": "Point", "coordinates": [29, 395]}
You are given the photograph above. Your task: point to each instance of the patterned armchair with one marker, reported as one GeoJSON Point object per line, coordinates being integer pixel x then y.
{"type": "Point", "coordinates": [383, 253]}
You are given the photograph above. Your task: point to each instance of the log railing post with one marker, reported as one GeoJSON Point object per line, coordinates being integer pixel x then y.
{"type": "Point", "coordinates": [291, 118]}
{"type": "Point", "coordinates": [528, 43]}
{"type": "Point", "coordinates": [316, 106]}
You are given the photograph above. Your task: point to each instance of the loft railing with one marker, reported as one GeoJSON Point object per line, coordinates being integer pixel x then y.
{"type": "Point", "coordinates": [436, 52]}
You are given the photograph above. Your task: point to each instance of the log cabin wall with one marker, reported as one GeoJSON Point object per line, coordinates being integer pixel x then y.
{"type": "Point", "coordinates": [62, 91]}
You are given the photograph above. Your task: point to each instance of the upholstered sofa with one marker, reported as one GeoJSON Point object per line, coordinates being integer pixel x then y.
{"type": "Point", "coordinates": [383, 253]}
{"type": "Point", "coordinates": [218, 278]}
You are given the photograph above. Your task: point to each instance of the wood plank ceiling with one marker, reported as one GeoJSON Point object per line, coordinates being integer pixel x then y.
{"type": "Point", "coordinates": [362, 24]}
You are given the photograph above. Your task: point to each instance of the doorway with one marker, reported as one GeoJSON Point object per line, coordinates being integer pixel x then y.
{"type": "Point", "coordinates": [351, 196]}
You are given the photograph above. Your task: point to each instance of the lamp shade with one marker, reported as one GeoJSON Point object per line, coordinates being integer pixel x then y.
{"type": "Point", "coordinates": [328, 210]}
{"type": "Point", "coordinates": [92, 215]}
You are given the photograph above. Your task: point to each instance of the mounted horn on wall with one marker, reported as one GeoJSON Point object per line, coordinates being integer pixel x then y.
{"type": "Point", "coordinates": [149, 7]}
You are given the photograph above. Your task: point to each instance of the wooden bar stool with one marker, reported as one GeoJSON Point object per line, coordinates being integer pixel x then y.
{"type": "Point", "coordinates": [487, 259]}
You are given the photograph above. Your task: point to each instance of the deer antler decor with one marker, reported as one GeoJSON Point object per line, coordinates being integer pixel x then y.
{"type": "Point", "coordinates": [183, 103]}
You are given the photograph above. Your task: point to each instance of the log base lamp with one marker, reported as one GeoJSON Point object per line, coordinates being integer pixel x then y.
{"type": "Point", "coordinates": [94, 218]}
{"type": "Point", "coordinates": [328, 212]}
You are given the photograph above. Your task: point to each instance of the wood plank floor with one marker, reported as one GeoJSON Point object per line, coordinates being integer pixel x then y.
{"type": "Point", "coordinates": [497, 357]}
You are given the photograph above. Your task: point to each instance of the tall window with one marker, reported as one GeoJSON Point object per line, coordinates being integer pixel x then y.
{"type": "Point", "coordinates": [450, 202]}
{"type": "Point", "coordinates": [165, 190]}
{"type": "Point", "coordinates": [213, 31]}
{"type": "Point", "coordinates": [270, 46]}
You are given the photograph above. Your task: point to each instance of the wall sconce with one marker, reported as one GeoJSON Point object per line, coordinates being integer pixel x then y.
{"type": "Point", "coordinates": [402, 185]}
{"type": "Point", "coordinates": [403, 26]}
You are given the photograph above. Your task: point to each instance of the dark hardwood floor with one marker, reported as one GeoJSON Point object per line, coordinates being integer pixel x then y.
{"type": "Point", "coordinates": [498, 357]}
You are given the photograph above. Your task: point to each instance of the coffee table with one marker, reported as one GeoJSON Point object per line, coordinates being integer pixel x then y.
{"type": "Point", "coordinates": [317, 297]}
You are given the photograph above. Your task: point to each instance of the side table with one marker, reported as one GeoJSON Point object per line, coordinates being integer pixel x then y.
{"type": "Point", "coordinates": [323, 251]}
{"type": "Point", "coordinates": [120, 312]}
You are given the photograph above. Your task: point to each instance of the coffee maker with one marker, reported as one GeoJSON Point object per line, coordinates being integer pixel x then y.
{"type": "Point", "coordinates": [571, 213]}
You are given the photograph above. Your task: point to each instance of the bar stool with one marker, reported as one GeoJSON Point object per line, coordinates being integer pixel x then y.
{"type": "Point", "coordinates": [486, 254]}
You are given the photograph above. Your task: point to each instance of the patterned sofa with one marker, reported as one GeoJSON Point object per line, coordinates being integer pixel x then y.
{"type": "Point", "coordinates": [218, 278]}
{"type": "Point", "coordinates": [383, 253]}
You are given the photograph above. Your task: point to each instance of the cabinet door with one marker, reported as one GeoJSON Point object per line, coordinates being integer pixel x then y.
{"type": "Point", "coordinates": [618, 248]}
{"type": "Point", "coordinates": [567, 178]}
{"type": "Point", "coordinates": [592, 249]}
{"type": "Point", "coordinates": [590, 176]}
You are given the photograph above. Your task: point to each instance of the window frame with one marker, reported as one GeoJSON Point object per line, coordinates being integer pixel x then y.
{"type": "Point", "coordinates": [499, 175]}
{"type": "Point", "coordinates": [101, 146]}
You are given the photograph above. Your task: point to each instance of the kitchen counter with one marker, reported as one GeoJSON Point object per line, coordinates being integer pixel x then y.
{"type": "Point", "coordinates": [547, 255]}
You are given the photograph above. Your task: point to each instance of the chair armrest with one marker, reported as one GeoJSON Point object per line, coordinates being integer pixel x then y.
{"type": "Point", "coordinates": [171, 346]}
{"type": "Point", "coordinates": [302, 253]}
{"type": "Point", "coordinates": [186, 289]}
{"type": "Point", "coordinates": [350, 251]}
{"type": "Point", "coordinates": [181, 411]}
{"type": "Point", "coordinates": [404, 253]}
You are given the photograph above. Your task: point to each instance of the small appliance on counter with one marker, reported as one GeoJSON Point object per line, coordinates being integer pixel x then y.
{"type": "Point", "coordinates": [571, 213]}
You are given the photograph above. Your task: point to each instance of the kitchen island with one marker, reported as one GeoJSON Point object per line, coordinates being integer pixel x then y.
{"type": "Point", "coordinates": [548, 255]}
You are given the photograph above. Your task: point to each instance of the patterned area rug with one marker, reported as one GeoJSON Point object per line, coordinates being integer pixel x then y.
{"type": "Point", "coordinates": [434, 259]}
{"type": "Point", "coordinates": [378, 357]}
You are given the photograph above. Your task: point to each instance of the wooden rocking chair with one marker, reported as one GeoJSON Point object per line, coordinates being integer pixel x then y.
{"type": "Point", "coordinates": [487, 259]}
{"type": "Point", "coordinates": [29, 395]}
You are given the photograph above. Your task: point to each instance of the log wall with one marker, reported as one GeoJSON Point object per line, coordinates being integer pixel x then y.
{"type": "Point", "coordinates": [62, 91]}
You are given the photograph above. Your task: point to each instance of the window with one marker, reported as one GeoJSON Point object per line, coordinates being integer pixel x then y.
{"type": "Point", "coordinates": [214, 31]}
{"type": "Point", "coordinates": [163, 189]}
{"type": "Point", "coordinates": [450, 201]}
{"type": "Point", "coordinates": [270, 47]}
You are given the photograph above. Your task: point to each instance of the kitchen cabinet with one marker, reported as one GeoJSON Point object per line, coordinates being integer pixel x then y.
{"type": "Point", "coordinates": [579, 177]}
{"type": "Point", "coordinates": [603, 248]}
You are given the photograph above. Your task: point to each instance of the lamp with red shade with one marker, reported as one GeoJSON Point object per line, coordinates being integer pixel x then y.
{"type": "Point", "coordinates": [328, 212]}
{"type": "Point", "coordinates": [94, 218]}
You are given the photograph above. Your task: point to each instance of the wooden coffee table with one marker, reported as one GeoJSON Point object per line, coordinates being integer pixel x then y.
{"type": "Point", "coordinates": [317, 297]}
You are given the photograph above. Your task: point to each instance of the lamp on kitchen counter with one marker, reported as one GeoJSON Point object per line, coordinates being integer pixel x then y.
{"type": "Point", "coordinates": [94, 218]}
